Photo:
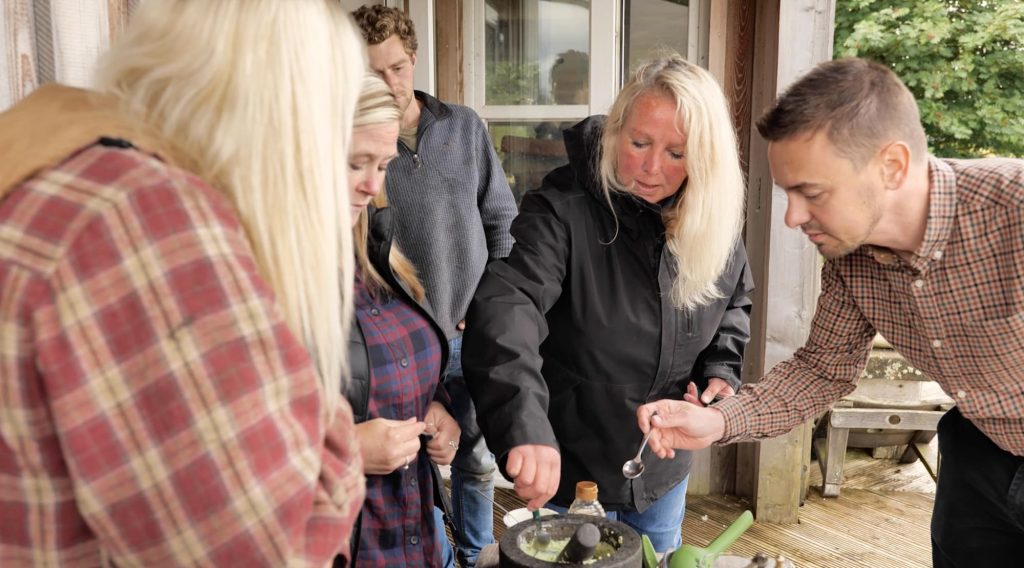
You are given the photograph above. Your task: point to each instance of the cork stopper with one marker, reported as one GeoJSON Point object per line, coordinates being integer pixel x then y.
{"type": "Point", "coordinates": [586, 490]}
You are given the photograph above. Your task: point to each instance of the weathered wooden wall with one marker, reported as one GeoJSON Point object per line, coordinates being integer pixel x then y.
{"type": "Point", "coordinates": [42, 41]}
{"type": "Point", "coordinates": [784, 263]}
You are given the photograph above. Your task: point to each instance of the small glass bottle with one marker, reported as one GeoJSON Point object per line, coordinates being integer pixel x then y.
{"type": "Point", "coordinates": [586, 500]}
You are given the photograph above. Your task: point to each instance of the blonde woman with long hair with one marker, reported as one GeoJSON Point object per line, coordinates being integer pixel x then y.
{"type": "Point", "coordinates": [628, 282]}
{"type": "Point", "coordinates": [175, 283]}
{"type": "Point", "coordinates": [398, 352]}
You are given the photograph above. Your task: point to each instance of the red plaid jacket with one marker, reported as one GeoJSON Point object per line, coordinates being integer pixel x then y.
{"type": "Point", "coordinates": [155, 410]}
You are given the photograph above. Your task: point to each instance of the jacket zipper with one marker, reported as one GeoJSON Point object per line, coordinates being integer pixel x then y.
{"type": "Point", "coordinates": [417, 162]}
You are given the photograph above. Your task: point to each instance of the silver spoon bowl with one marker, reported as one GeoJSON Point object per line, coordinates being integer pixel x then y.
{"type": "Point", "coordinates": [634, 468]}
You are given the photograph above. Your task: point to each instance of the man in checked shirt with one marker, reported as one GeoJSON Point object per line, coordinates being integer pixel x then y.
{"type": "Point", "coordinates": [169, 253]}
{"type": "Point", "coordinates": [929, 253]}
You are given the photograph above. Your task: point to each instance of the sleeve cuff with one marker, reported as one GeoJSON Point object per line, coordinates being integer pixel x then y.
{"type": "Point", "coordinates": [735, 418]}
{"type": "Point", "coordinates": [723, 372]}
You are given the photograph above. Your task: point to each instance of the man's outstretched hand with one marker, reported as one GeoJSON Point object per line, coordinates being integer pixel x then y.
{"type": "Point", "coordinates": [680, 425]}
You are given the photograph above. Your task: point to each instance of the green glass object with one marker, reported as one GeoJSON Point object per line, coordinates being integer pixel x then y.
{"type": "Point", "coordinates": [689, 556]}
{"type": "Point", "coordinates": [650, 556]}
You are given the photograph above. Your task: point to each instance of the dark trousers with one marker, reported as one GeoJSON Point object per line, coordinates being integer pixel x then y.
{"type": "Point", "coordinates": [978, 518]}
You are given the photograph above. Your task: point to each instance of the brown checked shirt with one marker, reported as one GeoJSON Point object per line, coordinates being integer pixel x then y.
{"type": "Point", "coordinates": [955, 311]}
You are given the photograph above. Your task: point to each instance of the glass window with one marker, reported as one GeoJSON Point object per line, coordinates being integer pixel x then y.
{"type": "Point", "coordinates": [536, 82]}
{"type": "Point", "coordinates": [529, 150]}
{"type": "Point", "coordinates": [653, 26]}
{"type": "Point", "coordinates": [537, 52]}
{"type": "Point", "coordinates": [539, 66]}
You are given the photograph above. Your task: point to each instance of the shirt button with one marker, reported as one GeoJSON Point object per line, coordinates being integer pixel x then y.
{"type": "Point", "coordinates": [961, 394]}
{"type": "Point", "coordinates": [404, 362]}
{"type": "Point", "coordinates": [919, 283]}
{"type": "Point", "coordinates": [936, 343]}
{"type": "Point", "coordinates": [937, 255]}
{"type": "Point", "coordinates": [374, 312]}
{"type": "Point", "coordinates": [414, 540]}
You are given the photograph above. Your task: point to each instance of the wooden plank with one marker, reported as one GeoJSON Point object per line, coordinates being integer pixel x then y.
{"type": "Point", "coordinates": [17, 52]}
{"type": "Point", "coordinates": [898, 393]}
{"type": "Point", "coordinates": [450, 50]}
{"type": "Point", "coordinates": [831, 460]}
{"type": "Point", "coordinates": [784, 264]}
{"type": "Point", "coordinates": [711, 471]}
{"type": "Point", "coordinates": [929, 456]}
{"type": "Point", "coordinates": [51, 40]}
{"type": "Point", "coordinates": [739, 69]}
{"type": "Point", "coordinates": [831, 533]}
{"type": "Point", "coordinates": [718, 24]}
{"type": "Point", "coordinates": [885, 476]}
{"type": "Point", "coordinates": [885, 419]}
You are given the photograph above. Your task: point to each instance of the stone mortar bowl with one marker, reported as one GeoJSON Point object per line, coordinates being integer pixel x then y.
{"type": "Point", "coordinates": [625, 541]}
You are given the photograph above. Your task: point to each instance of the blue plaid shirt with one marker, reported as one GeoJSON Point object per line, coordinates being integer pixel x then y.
{"type": "Point", "coordinates": [405, 358]}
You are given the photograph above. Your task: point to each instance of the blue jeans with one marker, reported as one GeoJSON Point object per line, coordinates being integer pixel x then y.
{"type": "Point", "coordinates": [447, 554]}
{"type": "Point", "coordinates": [662, 522]}
{"type": "Point", "coordinates": [472, 470]}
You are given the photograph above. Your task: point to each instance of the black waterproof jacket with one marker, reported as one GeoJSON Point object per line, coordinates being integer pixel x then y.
{"type": "Point", "coordinates": [573, 331]}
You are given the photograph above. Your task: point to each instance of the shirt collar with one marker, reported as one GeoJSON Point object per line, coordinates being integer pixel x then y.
{"type": "Point", "coordinates": [941, 209]}
{"type": "Point", "coordinates": [941, 216]}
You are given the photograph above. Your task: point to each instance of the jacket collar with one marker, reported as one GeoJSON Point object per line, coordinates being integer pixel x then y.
{"type": "Point", "coordinates": [435, 109]}
{"type": "Point", "coordinates": [54, 122]}
{"type": "Point", "coordinates": [381, 234]}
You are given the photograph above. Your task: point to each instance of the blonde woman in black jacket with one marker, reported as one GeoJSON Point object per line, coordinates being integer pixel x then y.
{"type": "Point", "coordinates": [628, 283]}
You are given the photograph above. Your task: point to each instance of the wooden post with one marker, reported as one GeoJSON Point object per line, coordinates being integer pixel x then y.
{"type": "Point", "coordinates": [51, 40]}
{"type": "Point", "coordinates": [730, 60]}
{"type": "Point", "coordinates": [791, 37]}
{"type": "Point", "coordinates": [450, 47]}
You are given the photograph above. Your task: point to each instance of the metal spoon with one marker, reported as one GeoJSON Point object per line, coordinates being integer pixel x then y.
{"type": "Point", "coordinates": [633, 468]}
{"type": "Point", "coordinates": [541, 538]}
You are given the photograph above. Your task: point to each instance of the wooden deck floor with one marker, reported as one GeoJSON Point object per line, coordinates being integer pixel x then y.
{"type": "Point", "coordinates": [880, 519]}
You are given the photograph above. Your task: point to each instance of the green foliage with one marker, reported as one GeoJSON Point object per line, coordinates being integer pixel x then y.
{"type": "Point", "coordinates": [962, 59]}
{"type": "Point", "coordinates": [513, 83]}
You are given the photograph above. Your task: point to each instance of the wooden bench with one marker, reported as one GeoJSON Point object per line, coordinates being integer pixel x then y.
{"type": "Point", "coordinates": [884, 405]}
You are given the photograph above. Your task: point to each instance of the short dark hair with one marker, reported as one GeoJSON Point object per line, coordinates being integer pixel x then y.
{"type": "Point", "coordinates": [378, 23]}
{"type": "Point", "coordinates": [860, 104]}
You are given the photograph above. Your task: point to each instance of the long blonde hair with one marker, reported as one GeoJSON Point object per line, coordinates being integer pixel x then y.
{"type": "Point", "coordinates": [377, 105]}
{"type": "Point", "coordinates": [258, 96]}
{"type": "Point", "coordinates": [704, 224]}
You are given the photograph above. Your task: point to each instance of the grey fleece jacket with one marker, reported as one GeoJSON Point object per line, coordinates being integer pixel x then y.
{"type": "Point", "coordinates": [453, 206]}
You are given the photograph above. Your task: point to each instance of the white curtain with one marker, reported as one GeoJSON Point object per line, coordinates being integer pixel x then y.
{"type": "Point", "coordinates": [42, 41]}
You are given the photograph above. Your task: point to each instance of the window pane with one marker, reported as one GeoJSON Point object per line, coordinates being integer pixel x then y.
{"type": "Point", "coordinates": [537, 52]}
{"type": "Point", "coordinates": [529, 150]}
{"type": "Point", "coordinates": [653, 26]}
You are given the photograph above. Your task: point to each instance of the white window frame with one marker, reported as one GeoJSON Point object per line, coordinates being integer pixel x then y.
{"type": "Point", "coordinates": [603, 78]}
{"type": "Point", "coordinates": [421, 12]}
{"type": "Point", "coordinates": [605, 56]}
